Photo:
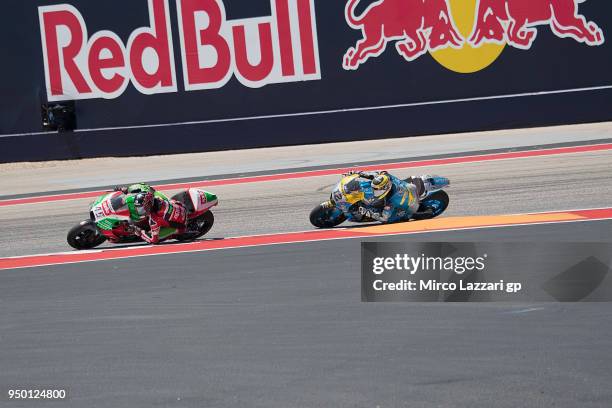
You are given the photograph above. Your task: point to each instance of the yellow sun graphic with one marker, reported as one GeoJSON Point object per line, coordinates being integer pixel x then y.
{"type": "Point", "coordinates": [466, 59]}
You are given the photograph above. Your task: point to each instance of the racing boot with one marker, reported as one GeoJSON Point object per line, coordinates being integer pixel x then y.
{"type": "Point", "coordinates": [421, 191]}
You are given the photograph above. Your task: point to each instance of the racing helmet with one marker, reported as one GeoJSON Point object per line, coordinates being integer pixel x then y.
{"type": "Point", "coordinates": [144, 200]}
{"type": "Point", "coordinates": [381, 185]}
{"type": "Point", "coordinates": [139, 188]}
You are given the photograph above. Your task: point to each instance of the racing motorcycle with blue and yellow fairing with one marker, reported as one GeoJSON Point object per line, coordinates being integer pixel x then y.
{"type": "Point", "coordinates": [412, 199]}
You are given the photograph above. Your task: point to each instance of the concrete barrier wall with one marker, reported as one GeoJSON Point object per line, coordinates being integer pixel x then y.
{"type": "Point", "coordinates": [166, 76]}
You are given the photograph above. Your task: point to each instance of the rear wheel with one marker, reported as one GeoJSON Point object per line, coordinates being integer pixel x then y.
{"type": "Point", "coordinates": [85, 236]}
{"type": "Point", "coordinates": [432, 206]}
{"type": "Point", "coordinates": [202, 224]}
{"type": "Point", "coordinates": [322, 217]}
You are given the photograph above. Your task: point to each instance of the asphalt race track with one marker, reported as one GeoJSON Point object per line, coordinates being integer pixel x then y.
{"type": "Point", "coordinates": [283, 325]}
{"type": "Point", "coordinates": [549, 183]}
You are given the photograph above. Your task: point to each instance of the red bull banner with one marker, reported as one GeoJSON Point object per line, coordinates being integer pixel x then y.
{"type": "Point", "coordinates": [213, 49]}
{"type": "Point", "coordinates": [476, 31]}
{"type": "Point", "coordinates": [227, 74]}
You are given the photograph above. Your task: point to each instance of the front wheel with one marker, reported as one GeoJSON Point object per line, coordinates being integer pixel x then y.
{"type": "Point", "coordinates": [85, 235]}
{"type": "Point", "coordinates": [322, 217]}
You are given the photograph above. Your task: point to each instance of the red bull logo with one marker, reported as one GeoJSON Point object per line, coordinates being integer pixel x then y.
{"type": "Point", "coordinates": [281, 47]}
{"type": "Point", "coordinates": [462, 35]}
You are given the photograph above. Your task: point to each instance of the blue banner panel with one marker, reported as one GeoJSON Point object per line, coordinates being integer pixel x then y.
{"type": "Point", "coordinates": [170, 76]}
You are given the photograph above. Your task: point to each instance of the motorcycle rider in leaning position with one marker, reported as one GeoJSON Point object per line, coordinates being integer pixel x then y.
{"type": "Point", "coordinates": [380, 204]}
{"type": "Point", "coordinates": [161, 214]}
{"type": "Point", "coordinates": [160, 211]}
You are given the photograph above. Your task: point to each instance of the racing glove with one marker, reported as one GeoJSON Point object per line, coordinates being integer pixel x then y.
{"type": "Point", "coordinates": [371, 175]}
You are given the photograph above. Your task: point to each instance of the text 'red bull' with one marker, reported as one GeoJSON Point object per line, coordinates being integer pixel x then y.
{"type": "Point", "coordinates": [212, 50]}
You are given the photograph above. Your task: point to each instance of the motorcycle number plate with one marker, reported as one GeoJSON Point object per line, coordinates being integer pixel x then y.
{"type": "Point", "coordinates": [98, 212]}
{"type": "Point", "coordinates": [338, 195]}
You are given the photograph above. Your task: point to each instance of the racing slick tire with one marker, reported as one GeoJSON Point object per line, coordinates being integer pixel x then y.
{"type": "Point", "coordinates": [320, 217]}
{"type": "Point", "coordinates": [85, 235]}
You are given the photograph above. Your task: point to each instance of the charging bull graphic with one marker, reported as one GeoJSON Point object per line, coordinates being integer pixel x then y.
{"type": "Point", "coordinates": [417, 26]}
{"type": "Point", "coordinates": [513, 22]}
{"type": "Point", "coordinates": [420, 26]}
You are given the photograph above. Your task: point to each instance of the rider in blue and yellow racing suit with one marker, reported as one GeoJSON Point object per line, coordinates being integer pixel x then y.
{"type": "Point", "coordinates": [389, 193]}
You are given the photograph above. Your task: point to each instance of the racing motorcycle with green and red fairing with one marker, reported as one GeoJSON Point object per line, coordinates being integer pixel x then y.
{"type": "Point", "coordinates": [113, 217]}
